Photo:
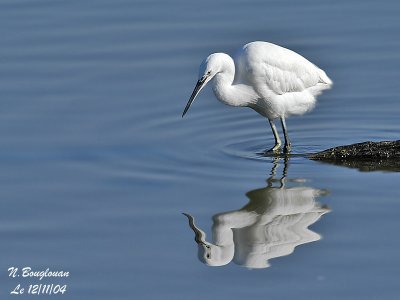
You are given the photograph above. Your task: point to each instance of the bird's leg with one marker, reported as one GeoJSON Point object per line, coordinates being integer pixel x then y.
{"type": "Point", "coordinates": [278, 142]}
{"type": "Point", "coordinates": [287, 141]}
{"type": "Point", "coordinates": [284, 172]}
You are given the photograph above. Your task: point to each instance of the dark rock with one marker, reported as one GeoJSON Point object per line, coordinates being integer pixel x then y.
{"type": "Point", "coordinates": [367, 156]}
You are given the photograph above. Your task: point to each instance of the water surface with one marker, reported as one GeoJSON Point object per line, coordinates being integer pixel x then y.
{"type": "Point", "coordinates": [96, 164]}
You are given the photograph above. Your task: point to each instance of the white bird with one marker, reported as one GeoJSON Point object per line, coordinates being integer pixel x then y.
{"type": "Point", "coordinates": [272, 224]}
{"type": "Point", "coordinates": [274, 81]}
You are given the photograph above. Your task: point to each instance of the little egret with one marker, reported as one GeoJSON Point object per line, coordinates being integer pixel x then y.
{"type": "Point", "coordinates": [274, 81]}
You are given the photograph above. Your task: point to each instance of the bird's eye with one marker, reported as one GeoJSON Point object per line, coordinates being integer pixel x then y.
{"type": "Point", "coordinates": [208, 255]}
{"type": "Point", "coordinates": [209, 72]}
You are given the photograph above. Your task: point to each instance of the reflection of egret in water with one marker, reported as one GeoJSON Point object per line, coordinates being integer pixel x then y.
{"type": "Point", "coordinates": [272, 224]}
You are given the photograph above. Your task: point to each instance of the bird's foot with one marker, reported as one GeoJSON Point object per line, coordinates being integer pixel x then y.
{"type": "Point", "coordinates": [287, 148]}
{"type": "Point", "coordinates": [274, 149]}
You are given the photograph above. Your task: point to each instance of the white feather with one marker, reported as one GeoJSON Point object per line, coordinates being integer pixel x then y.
{"type": "Point", "coordinates": [274, 81]}
{"type": "Point", "coordinates": [285, 81]}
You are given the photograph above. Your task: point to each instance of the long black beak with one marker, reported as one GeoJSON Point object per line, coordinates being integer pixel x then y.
{"type": "Point", "coordinates": [196, 90]}
{"type": "Point", "coordinates": [200, 236]}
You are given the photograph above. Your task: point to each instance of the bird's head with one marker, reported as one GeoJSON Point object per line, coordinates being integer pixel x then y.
{"type": "Point", "coordinates": [210, 254]}
{"type": "Point", "coordinates": [214, 256]}
{"type": "Point", "coordinates": [211, 66]}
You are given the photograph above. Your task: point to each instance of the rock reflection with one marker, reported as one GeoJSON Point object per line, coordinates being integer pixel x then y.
{"type": "Point", "coordinates": [272, 224]}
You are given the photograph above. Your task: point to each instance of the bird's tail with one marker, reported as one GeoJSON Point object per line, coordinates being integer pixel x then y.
{"type": "Point", "coordinates": [325, 83]}
{"type": "Point", "coordinates": [324, 78]}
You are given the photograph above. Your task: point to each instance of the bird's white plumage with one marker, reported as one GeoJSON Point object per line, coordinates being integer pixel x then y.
{"type": "Point", "coordinates": [280, 69]}
{"type": "Point", "coordinates": [272, 224]}
{"type": "Point", "coordinates": [285, 81]}
{"type": "Point", "coordinates": [274, 81]}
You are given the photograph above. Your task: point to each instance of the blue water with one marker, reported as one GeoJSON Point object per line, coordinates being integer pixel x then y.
{"type": "Point", "coordinates": [97, 165]}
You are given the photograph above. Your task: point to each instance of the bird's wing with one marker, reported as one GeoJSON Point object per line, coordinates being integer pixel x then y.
{"type": "Point", "coordinates": [278, 69]}
{"type": "Point", "coordinates": [282, 78]}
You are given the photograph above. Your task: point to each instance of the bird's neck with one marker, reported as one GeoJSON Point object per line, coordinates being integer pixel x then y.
{"type": "Point", "coordinates": [226, 91]}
